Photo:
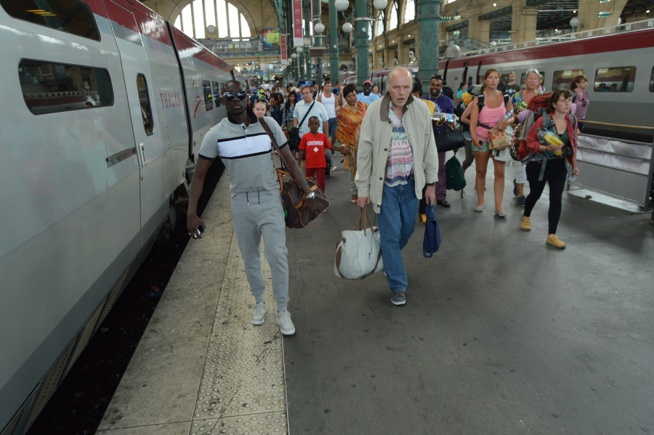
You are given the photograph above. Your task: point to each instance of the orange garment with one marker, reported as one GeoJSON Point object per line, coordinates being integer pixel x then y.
{"type": "Point", "coordinates": [347, 133]}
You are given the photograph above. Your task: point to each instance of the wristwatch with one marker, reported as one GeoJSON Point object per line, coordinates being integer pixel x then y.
{"type": "Point", "coordinates": [310, 195]}
{"type": "Point", "coordinates": [431, 184]}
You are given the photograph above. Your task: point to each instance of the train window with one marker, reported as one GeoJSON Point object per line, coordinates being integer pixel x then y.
{"type": "Point", "coordinates": [615, 79]}
{"type": "Point", "coordinates": [56, 87]}
{"type": "Point", "coordinates": [208, 94]}
{"type": "Point", "coordinates": [71, 16]}
{"type": "Point", "coordinates": [144, 101]}
{"type": "Point", "coordinates": [562, 79]}
{"type": "Point", "coordinates": [651, 81]}
{"type": "Point", "coordinates": [216, 93]}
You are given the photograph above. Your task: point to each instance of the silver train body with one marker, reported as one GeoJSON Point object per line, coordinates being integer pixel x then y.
{"type": "Point", "coordinates": [103, 107]}
{"type": "Point", "coordinates": [618, 62]}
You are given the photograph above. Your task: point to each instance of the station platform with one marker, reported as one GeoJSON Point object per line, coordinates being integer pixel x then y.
{"type": "Point", "coordinates": [501, 334]}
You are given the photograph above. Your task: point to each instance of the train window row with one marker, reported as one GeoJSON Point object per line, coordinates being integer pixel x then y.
{"type": "Point", "coordinates": [610, 79]}
{"type": "Point", "coordinates": [50, 87]}
{"type": "Point", "coordinates": [71, 16]}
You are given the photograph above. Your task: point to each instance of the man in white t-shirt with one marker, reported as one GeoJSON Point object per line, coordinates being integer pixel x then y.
{"type": "Point", "coordinates": [331, 103]}
{"type": "Point", "coordinates": [318, 110]}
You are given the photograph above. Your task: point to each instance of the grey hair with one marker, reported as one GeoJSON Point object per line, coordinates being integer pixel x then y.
{"type": "Point", "coordinates": [532, 70]}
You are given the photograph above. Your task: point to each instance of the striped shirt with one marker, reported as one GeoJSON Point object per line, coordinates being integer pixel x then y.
{"type": "Point", "coordinates": [399, 166]}
{"type": "Point", "coordinates": [246, 153]}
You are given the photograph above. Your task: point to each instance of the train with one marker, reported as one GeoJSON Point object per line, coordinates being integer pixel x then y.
{"type": "Point", "coordinates": [618, 62]}
{"type": "Point", "coordinates": [105, 105]}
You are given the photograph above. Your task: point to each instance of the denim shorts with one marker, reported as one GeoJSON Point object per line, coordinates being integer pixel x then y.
{"type": "Point", "coordinates": [484, 147]}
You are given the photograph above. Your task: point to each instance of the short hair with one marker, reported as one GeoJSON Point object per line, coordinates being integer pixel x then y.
{"type": "Point", "coordinates": [349, 88]}
{"type": "Point", "coordinates": [417, 87]}
{"type": "Point", "coordinates": [575, 82]}
{"type": "Point", "coordinates": [314, 117]}
{"type": "Point", "coordinates": [531, 71]}
{"type": "Point", "coordinates": [567, 93]}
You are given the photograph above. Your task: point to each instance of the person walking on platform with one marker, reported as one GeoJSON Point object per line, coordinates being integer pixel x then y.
{"type": "Point", "coordinates": [520, 101]}
{"type": "Point", "coordinates": [493, 110]}
{"type": "Point", "coordinates": [444, 104]}
{"type": "Point", "coordinates": [367, 96]}
{"type": "Point", "coordinates": [246, 151]}
{"type": "Point", "coordinates": [396, 158]}
{"type": "Point", "coordinates": [550, 163]}
{"type": "Point", "coordinates": [580, 98]}
{"type": "Point", "coordinates": [350, 117]}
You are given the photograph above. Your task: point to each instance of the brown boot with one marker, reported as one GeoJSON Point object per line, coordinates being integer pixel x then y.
{"type": "Point", "coordinates": [525, 224]}
{"type": "Point", "coordinates": [555, 241]}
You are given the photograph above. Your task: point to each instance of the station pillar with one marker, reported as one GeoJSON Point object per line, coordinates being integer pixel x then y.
{"type": "Point", "coordinates": [428, 15]}
{"type": "Point", "coordinates": [361, 40]}
{"type": "Point", "coordinates": [333, 41]}
{"type": "Point", "coordinates": [524, 21]}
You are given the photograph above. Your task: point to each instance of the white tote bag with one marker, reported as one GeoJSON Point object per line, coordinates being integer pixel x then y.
{"type": "Point", "coordinates": [358, 254]}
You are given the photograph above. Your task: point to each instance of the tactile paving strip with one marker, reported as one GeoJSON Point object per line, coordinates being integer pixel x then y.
{"type": "Point", "coordinates": [242, 388]}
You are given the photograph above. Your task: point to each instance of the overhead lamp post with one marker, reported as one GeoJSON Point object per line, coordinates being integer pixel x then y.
{"type": "Point", "coordinates": [361, 25]}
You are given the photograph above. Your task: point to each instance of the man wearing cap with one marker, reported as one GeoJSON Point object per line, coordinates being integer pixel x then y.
{"type": "Point", "coordinates": [367, 96]}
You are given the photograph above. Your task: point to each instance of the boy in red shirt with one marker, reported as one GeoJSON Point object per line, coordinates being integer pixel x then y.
{"type": "Point", "coordinates": [312, 147]}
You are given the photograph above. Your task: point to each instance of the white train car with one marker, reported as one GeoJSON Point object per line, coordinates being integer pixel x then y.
{"type": "Point", "coordinates": [104, 105]}
{"type": "Point", "coordinates": [618, 63]}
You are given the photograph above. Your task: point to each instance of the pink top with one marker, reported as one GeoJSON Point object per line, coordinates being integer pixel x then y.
{"type": "Point", "coordinates": [489, 117]}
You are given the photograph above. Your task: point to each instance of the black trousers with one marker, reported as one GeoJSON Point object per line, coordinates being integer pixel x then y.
{"type": "Point", "coordinates": [555, 175]}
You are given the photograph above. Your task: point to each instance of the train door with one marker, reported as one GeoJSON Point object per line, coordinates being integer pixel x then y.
{"type": "Point", "coordinates": [147, 132]}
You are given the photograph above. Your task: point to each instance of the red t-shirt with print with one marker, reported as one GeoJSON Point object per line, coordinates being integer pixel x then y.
{"type": "Point", "coordinates": [314, 146]}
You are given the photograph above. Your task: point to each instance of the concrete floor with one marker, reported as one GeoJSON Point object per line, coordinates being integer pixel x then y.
{"type": "Point", "coordinates": [500, 335]}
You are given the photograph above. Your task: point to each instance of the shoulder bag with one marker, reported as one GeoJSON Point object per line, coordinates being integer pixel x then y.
{"type": "Point", "coordinates": [358, 254]}
{"type": "Point", "coordinates": [449, 140]}
{"type": "Point", "coordinates": [294, 134]}
{"type": "Point", "coordinates": [296, 214]}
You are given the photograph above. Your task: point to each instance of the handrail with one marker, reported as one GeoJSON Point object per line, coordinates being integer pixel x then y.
{"type": "Point", "coordinates": [566, 37]}
{"type": "Point", "coordinates": [611, 124]}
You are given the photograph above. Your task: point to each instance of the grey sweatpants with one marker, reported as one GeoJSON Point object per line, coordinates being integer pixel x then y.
{"type": "Point", "coordinates": [255, 214]}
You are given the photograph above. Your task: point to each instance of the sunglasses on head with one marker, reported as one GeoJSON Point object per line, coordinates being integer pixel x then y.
{"type": "Point", "coordinates": [229, 96]}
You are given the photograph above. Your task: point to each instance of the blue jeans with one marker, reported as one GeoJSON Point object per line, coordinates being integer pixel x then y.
{"type": "Point", "coordinates": [397, 221]}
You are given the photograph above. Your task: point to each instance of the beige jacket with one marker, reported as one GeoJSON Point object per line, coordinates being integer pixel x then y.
{"type": "Point", "coordinates": [375, 141]}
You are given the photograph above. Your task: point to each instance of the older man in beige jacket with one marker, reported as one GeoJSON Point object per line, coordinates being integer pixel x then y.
{"type": "Point", "coordinates": [396, 157]}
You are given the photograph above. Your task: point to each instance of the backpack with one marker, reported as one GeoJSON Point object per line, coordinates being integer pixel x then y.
{"type": "Point", "coordinates": [537, 106]}
{"type": "Point", "coordinates": [480, 100]}
{"type": "Point", "coordinates": [523, 152]}
{"type": "Point", "coordinates": [455, 180]}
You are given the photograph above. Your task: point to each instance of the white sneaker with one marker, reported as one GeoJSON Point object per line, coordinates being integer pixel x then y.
{"type": "Point", "coordinates": [286, 325]}
{"type": "Point", "coordinates": [259, 314]}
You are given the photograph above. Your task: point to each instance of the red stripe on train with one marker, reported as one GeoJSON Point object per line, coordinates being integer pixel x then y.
{"type": "Point", "coordinates": [600, 44]}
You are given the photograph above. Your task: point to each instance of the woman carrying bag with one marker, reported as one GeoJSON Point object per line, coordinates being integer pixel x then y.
{"type": "Point", "coordinates": [551, 159]}
{"type": "Point", "coordinates": [492, 114]}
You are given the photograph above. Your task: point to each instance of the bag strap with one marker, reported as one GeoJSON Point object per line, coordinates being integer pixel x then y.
{"type": "Point", "coordinates": [282, 155]}
{"type": "Point", "coordinates": [363, 221]}
{"type": "Point", "coordinates": [305, 115]}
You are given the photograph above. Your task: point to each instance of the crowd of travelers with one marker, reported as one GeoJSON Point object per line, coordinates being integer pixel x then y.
{"type": "Point", "coordinates": [388, 144]}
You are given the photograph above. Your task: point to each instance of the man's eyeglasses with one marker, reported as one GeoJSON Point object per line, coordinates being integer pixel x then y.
{"type": "Point", "coordinates": [229, 96]}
